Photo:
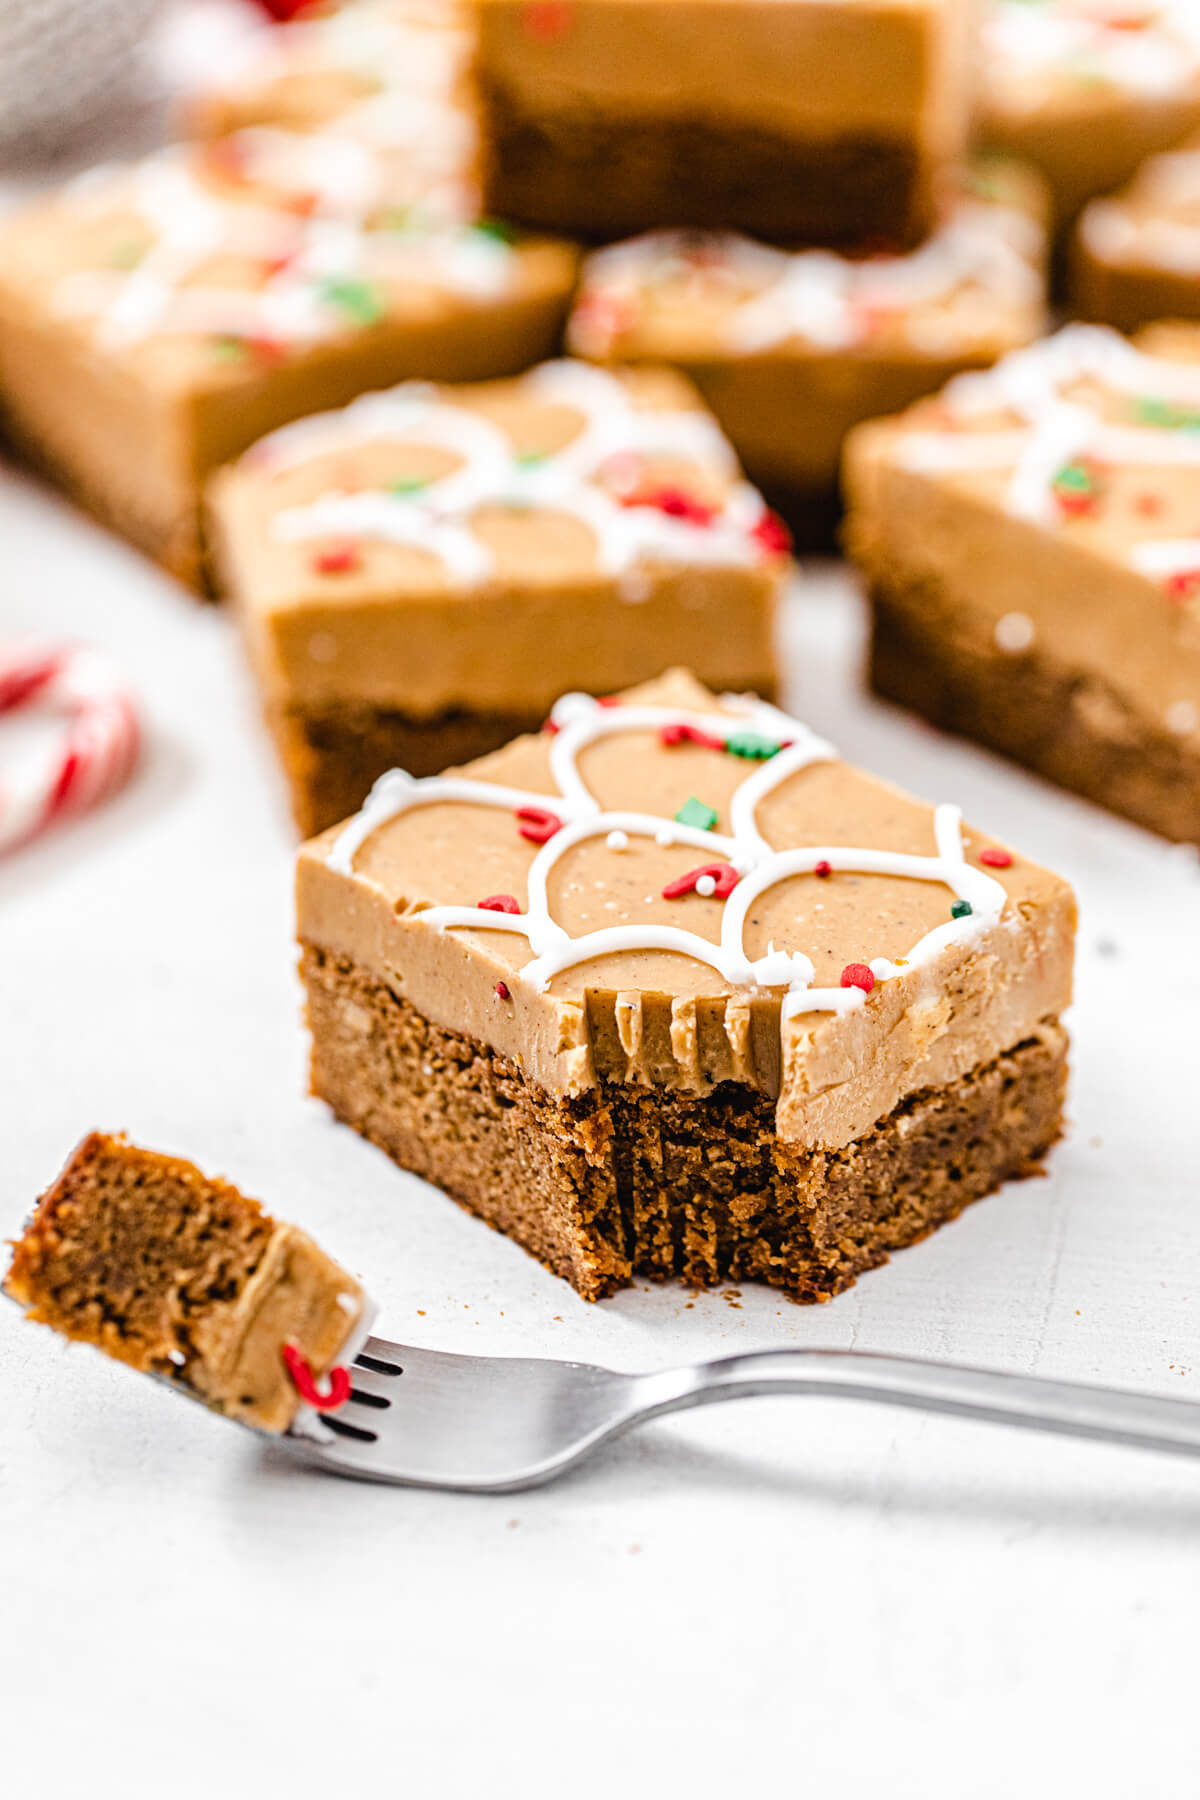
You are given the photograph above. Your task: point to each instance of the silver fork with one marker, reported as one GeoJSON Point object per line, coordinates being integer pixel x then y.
{"type": "Point", "coordinates": [490, 1424]}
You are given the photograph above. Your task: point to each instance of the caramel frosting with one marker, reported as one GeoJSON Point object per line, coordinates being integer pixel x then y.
{"type": "Point", "coordinates": [467, 546]}
{"type": "Point", "coordinates": [894, 68]}
{"type": "Point", "coordinates": [297, 1294]}
{"type": "Point", "coordinates": [1055, 497]}
{"type": "Point", "coordinates": [1067, 55]}
{"type": "Point", "coordinates": [1153, 224]}
{"type": "Point", "coordinates": [681, 890]}
{"type": "Point", "coordinates": [977, 286]}
{"type": "Point", "coordinates": [205, 259]}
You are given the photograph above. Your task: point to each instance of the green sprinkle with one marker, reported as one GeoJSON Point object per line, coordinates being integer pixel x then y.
{"type": "Point", "coordinates": [529, 459]}
{"type": "Point", "coordinates": [753, 747]}
{"type": "Point", "coordinates": [357, 299]}
{"type": "Point", "coordinates": [412, 484]}
{"type": "Point", "coordinates": [1075, 477]}
{"type": "Point", "coordinates": [1150, 411]}
{"type": "Point", "coordinates": [694, 812]}
{"type": "Point", "coordinates": [494, 229]}
{"type": "Point", "coordinates": [962, 909]}
{"type": "Point", "coordinates": [229, 349]}
{"type": "Point", "coordinates": [126, 255]}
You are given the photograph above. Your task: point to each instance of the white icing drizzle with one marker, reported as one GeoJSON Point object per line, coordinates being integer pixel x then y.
{"type": "Point", "coordinates": [1059, 40]}
{"type": "Point", "coordinates": [190, 223]}
{"type": "Point", "coordinates": [1164, 557]}
{"type": "Point", "coordinates": [405, 49]}
{"type": "Point", "coordinates": [825, 300]}
{"type": "Point", "coordinates": [1057, 426]}
{"type": "Point", "coordinates": [437, 517]}
{"type": "Point", "coordinates": [582, 721]}
{"type": "Point", "coordinates": [1155, 221]}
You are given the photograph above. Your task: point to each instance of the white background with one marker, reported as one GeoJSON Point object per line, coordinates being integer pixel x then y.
{"type": "Point", "coordinates": [805, 1597]}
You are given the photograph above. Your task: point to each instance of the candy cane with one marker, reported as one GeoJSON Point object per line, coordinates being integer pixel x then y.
{"type": "Point", "coordinates": [95, 752]}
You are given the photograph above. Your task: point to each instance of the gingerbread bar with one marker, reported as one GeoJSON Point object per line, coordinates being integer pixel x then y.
{"type": "Point", "coordinates": [669, 990]}
{"type": "Point", "coordinates": [1087, 89]}
{"type": "Point", "coordinates": [1136, 254]}
{"type": "Point", "coordinates": [791, 349]}
{"type": "Point", "coordinates": [183, 1277]}
{"type": "Point", "coordinates": [420, 576]}
{"type": "Point", "coordinates": [156, 320]}
{"type": "Point", "coordinates": [824, 121]}
{"type": "Point", "coordinates": [1029, 542]}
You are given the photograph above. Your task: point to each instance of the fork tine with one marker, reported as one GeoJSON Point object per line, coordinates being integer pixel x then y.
{"type": "Point", "coordinates": [382, 1350]}
{"type": "Point", "coordinates": [381, 1387]}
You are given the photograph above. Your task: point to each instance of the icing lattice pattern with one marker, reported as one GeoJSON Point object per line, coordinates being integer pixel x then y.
{"type": "Point", "coordinates": [1150, 48]}
{"type": "Point", "coordinates": [580, 721]}
{"type": "Point", "coordinates": [1060, 423]}
{"type": "Point", "coordinates": [831, 302]}
{"type": "Point", "coordinates": [437, 518]}
{"type": "Point", "coordinates": [321, 228]}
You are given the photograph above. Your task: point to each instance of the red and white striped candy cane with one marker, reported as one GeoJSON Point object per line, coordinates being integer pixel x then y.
{"type": "Point", "coordinates": [95, 752]}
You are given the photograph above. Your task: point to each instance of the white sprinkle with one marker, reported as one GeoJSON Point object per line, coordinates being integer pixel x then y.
{"type": "Point", "coordinates": [617, 840]}
{"type": "Point", "coordinates": [1182, 717]}
{"type": "Point", "coordinates": [177, 1357]}
{"type": "Point", "coordinates": [1014, 632]}
{"type": "Point", "coordinates": [322, 646]}
{"type": "Point", "coordinates": [706, 886]}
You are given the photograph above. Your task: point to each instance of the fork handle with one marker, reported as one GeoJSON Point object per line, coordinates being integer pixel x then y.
{"type": "Point", "coordinates": [1069, 1408]}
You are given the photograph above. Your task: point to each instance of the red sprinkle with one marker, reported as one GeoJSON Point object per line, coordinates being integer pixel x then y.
{"type": "Point", "coordinates": [338, 561]}
{"type": "Point", "coordinates": [724, 876]}
{"type": "Point", "coordinates": [536, 824]}
{"type": "Point", "coordinates": [1149, 505]}
{"type": "Point", "coordinates": [546, 19]}
{"type": "Point", "coordinates": [822, 869]}
{"type": "Point", "coordinates": [502, 990]}
{"type": "Point", "coordinates": [679, 732]}
{"type": "Point", "coordinates": [608, 700]}
{"type": "Point", "coordinates": [550, 727]}
{"type": "Point", "coordinates": [772, 535]}
{"type": "Point", "coordinates": [267, 349]}
{"type": "Point", "coordinates": [284, 10]}
{"type": "Point", "coordinates": [995, 859]}
{"type": "Point", "coordinates": [505, 903]}
{"type": "Point", "coordinates": [1183, 587]}
{"type": "Point", "coordinates": [858, 975]}
{"type": "Point", "coordinates": [305, 1382]}
{"type": "Point", "coordinates": [676, 502]}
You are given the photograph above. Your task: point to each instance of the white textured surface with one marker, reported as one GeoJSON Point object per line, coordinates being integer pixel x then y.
{"type": "Point", "coordinates": [840, 1600]}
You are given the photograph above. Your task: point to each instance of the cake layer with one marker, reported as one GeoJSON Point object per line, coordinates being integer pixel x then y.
{"type": "Point", "coordinates": [183, 1277]}
{"type": "Point", "coordinates": [821, 119]}
{"type": "Point", "coordinates": [814, 190]}
{"type": "Point", "coordinates": [332, 755]}
{"type": "Point", "coordinates": [1071, 725]}
{"type": "Point", "coordinates": [630, 1180]}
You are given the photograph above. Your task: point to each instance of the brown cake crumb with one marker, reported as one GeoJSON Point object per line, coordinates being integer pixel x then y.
{"type": "Point", "coordinates": [182, 1276]}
